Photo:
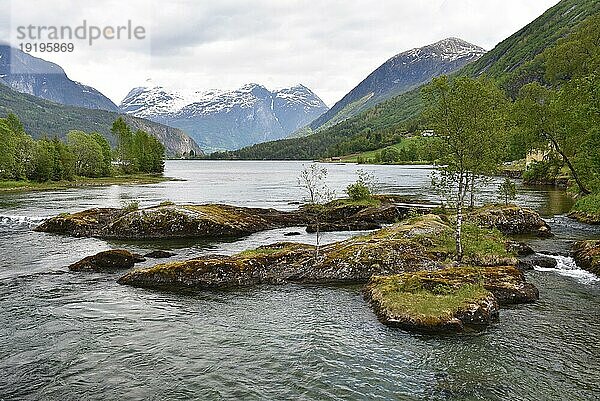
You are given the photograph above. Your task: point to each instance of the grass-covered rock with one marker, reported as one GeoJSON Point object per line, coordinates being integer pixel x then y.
{"type": "Point", "coordinates": [448, 300]}
{"type": "Point", "coordinates": [168, 220]}
{"type": "Point", "coordinates": [419, 243]}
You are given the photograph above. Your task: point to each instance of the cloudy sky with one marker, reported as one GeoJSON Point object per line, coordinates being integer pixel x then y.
{"type": "Point", "coordinates": [329, 46]}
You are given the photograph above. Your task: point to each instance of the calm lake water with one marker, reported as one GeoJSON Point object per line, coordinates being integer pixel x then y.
{"type": "Point", "coordinates": [80, 336]}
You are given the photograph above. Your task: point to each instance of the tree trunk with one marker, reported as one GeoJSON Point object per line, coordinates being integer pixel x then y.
{"type": "Point", "coordinates": [580, 184]}
{"type": "Point", "coordinates": [472, 203]}
{"type": "Point", "coordinates": [462, 184]}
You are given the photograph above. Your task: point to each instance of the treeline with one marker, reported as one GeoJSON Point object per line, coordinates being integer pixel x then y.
{"type": "Point", "coordinates": [83, 154]}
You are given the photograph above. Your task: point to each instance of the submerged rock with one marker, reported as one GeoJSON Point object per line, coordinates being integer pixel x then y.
{"type": "Point", "coordinates": [159, 254]}
{"type": "Point", "coordinates": [448, 300]}
{"type": "Point", "coordinates": [587, 255]}
{"type": "Point", "coordinates": [531, 261]}
{"type": "Point", "coordinates": [511, 220]}
{"type": "Point", "coordinates": [116, 259]}
{"type": "Point", "coordinates": [519, 248]}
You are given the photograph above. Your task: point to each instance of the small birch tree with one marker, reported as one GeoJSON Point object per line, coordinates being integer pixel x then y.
{"type": "Point", "coordinates": [469, 116]}
{"type": "Point", "coordinates": [312, 179]}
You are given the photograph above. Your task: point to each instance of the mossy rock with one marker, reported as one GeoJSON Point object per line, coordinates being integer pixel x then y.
{"type": "Point", "coordinates": [587, 255]}
{"type": "Point", "coordinates": [398, 303]}
{"type": "Point", "coordinates": [81, 224]}
{"type": "Point", "coordinates": [510, 220]}
{"type": "Point", "coordinates": [213, 220]}
{"type": "Point", "coordinates": [448, 300]}
{"type": "Point", "coordinates": [402, 247]}
{"type": "Point", "coordinates": [107, 261]}
{"type": "Point", "coordinates": [585, 217]}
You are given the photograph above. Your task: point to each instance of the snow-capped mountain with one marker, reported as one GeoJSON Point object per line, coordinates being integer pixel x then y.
{"type": "Point", "coordinates": [219, 119]}
{"type": "Point", "coordinates": [35, 76]}
{"type": "Point", "coordinates": [401, 73]}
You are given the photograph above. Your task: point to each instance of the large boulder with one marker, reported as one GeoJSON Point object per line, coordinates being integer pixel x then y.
{"type": "Point", "coordinates": [112, 260]}
{"type": "Point", "coordinates": [587, 255]}
{"type": "Point", "coordinates": [510, 220]}
{"type": "Point", "coordinates": [448, 300]}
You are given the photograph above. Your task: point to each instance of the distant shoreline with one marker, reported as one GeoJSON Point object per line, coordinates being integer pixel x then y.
{"type": "Point", "coordinates": [82, 182]}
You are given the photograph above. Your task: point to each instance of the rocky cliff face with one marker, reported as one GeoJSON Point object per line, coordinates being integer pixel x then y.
{"type": "Point", "coordinates": [401, 73]}
{"type": "Point", "coordinates": [220, 120]}
{"type": "Point", "coordinates": [35, 76]}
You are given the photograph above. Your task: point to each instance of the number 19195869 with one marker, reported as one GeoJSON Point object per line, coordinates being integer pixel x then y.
{"type": "Point", "coordinates": [48, 47]}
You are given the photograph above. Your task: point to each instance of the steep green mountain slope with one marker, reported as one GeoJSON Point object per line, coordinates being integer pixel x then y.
{"type": "Point", "coordinates": [378, 126]}
{"type": "Point", "coordinates": [41, 117]}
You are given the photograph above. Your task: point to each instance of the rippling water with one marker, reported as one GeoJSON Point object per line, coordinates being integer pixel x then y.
{"type": "Point", "coordinates": [82, 336]}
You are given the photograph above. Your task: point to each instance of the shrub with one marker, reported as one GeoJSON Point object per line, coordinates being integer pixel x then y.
{"type": "Point", "coordinates": [131, 206]}
{"type": "Point", "coordinates": [361, 189]}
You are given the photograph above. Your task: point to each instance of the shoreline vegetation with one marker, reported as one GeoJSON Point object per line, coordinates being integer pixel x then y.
{"type": "Point", "coordinates": [83, 182]}
{"type": "Point", "coordinates": [85, 159]}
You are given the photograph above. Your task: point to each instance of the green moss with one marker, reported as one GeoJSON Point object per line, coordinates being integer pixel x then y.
{"type": "Point", "coordinates": [405, 296]}
{"type": "Point", "coordinates": [477, 242]}
{"type": "Point", "coordinates": [217, 213]}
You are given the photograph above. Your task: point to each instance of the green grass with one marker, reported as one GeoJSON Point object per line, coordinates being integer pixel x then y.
{"type": "Point", "coordinates": [405, 296]}
{"type": "Point", "coordinates": [589, 204]}
{"type": "Point", "coordinates": [138, 179]}
{"type": "Point", "coordinates": [253, 253]}
{"type": "Point", "coordinates": [478, 243]}
{"type": "Point", "coordinates": [406, 143]}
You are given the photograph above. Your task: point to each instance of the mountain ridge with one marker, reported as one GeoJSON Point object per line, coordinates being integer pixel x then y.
{"type": "Point", "coordinates": [42, 117]}
{"type": "Point", "coordinates": [227, 119]}
{"type": "Point", "coordinates": [399, 74]}
{"type": "Point", "coordinates": [400, 113]}
{"type": "Point", "coordinates": [44, 79]}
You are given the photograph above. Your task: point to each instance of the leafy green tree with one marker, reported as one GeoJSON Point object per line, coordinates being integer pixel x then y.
{"type": "Point", "coordinates": [543, 116]}
{"type": "Point", "coordinates": [42, 164]}
{"type": "Point", "coordinates": [312, 179]}
{"type": "Point", "coordinates": [106, 168]}
{"type": "Point", "coordinates": [124, 151]}
{"type": "Point", "coordinates": [469, 116]}
{"type": "Point", "coordinates": [7, 152]}
{"type": "Point", "coordinates": [64, 161]}
{"type": "Point", "coordinates": [508, 190]}
{"type": "Point", "coordinates": [88, 154]}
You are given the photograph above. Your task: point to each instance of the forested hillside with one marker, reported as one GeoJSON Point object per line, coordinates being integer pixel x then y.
{"type": "Point", "coordinates": [511, 64]}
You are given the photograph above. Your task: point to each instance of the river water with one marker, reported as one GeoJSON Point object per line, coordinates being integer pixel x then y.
{"type": "Point", "coordinates": [68, 336]}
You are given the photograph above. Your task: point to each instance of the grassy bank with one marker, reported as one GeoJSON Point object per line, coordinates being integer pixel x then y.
{"type": "Point", "coordinates": [136, 179]}
{"type": "Point", "coordinates": [587, 209]}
